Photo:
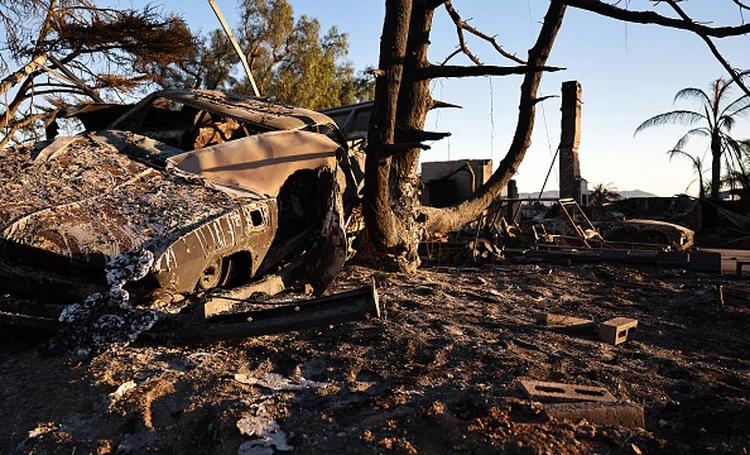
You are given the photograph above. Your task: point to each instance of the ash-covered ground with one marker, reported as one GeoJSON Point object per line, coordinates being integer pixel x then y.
{"type": "Point", "coordinates": [437, 375]}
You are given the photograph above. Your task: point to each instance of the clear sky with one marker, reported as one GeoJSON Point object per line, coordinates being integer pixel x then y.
{"type": "Point", "coordinates": [628, 73]}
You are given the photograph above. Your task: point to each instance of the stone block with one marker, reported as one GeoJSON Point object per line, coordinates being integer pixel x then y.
{"type": "Point", "coordinates": [617, 330]}
{"type": "Point", "coordinates": [561, 392]}
{"type": "Point", "coordinates": [620, 414]}
{"type": "Point", "coordinates": [705, 261]}
{"type": "Point", "coordinates": [673, 259]}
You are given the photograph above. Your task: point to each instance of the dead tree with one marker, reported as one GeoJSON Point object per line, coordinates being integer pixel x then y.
{"type": "Point", "coordinates": [396, 221]}
{"type": "Point", "coordinates": [88, 41]}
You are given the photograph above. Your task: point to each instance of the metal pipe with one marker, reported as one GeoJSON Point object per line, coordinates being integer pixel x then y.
{"type": "Point", "coordinates": [235, 44]}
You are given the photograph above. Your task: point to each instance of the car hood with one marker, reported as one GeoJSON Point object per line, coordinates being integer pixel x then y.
{"type": "Point", "coordinates": [657, 224]}
{"type": "Point", "coordinates": [80, 197]}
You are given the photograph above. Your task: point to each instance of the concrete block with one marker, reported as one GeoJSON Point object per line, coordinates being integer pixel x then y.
{"type": "Point", "coordinates": [673, 259]}
{"type": "Point", "coordinates": [619, 414]}
{"type": "Point", "coordinates": [705, 261]}
{"type": "Point", "coordinates": [561, 392]}
{"type": "Point", "coordinates": [615, 255]}
{"type": "Point", "coordinates": [560, 320]}
{"type": "Point", "coordinates": [617, 330]}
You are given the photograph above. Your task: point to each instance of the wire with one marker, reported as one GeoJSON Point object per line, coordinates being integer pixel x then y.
{"type": "Point", "coordinates": [492, 122]}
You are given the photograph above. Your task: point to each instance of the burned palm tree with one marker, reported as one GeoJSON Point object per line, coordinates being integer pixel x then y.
{"type": "Point", "coordinates": [716, 115]}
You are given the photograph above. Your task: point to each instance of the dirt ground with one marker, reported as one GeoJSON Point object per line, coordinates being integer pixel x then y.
{"type": "Point", "coordinates": [436, 375]}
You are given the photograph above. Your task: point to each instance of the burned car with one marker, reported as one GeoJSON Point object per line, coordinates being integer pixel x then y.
{"type": "Point", "coordinates": [614, 226]}
{"type": "Point", "coordinates": [567, 218]}
{"type": "Point", "coordinates": [199, 189]}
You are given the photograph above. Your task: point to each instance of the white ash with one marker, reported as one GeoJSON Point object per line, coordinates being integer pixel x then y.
{"type": "Point", "coordinates": [261, 425]}
{"type": "Point", "coordinates": [130, 266]}
{"type": "Point", "coordinates": [100, 323]}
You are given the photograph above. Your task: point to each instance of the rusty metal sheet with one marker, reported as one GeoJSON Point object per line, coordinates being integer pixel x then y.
{"type": "Point", "coordinates": [260, 163]}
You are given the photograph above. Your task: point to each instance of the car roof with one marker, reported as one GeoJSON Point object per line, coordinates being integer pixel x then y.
{"type": "Point", "coordinates": [255, 110]}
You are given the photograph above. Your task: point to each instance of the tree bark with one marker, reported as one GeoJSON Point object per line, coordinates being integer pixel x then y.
{"type": "Point", "coordinates": [381, 223]}
{"type": "Point", "coordinates": [19, 75]}
{"type": "Point", "coordinates": [448, 219]}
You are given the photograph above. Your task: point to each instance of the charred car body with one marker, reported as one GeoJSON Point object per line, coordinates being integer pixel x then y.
{"type": "Point", "coordinates": [208, 188]}
{"type": "Point", "coordinates": [611, 226]}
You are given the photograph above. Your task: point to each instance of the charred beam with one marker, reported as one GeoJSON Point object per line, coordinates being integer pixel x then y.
{"type": "Point", "coordinates": [437, 71]}
{"type": "Point", "coordinates": [348, 306]}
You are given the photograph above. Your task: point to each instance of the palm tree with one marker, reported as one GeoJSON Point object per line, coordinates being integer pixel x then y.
{"type": "Point", "coordinates": [697, 167]}
{"type": "Point", "coordinates": [717, 116]}
{"type": "Point", "coordinates": [740, 178]}
{"type": "Point", "coordinates": [604, 193]}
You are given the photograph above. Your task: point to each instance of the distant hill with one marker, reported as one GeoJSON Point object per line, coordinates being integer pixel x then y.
{"type": "Point", "coordinates": [555, 194]}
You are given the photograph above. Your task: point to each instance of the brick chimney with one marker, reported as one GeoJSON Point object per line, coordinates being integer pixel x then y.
{"type": "Point", "coordinates": [570, 138]}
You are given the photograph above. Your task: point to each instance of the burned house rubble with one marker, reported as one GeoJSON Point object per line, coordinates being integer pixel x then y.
{"type": "Point", "coordinates": [542, 327]}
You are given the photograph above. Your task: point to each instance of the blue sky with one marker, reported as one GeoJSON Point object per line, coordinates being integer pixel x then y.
{"type": "Point", "coordinates": [628, 73]}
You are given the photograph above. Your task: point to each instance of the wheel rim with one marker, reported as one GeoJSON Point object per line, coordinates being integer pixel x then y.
{"type": "Point", "coordinates": [211, 275]}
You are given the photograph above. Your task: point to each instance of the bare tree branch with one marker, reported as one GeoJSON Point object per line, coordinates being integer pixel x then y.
{"type": "Point", "coordinates": [19, 75]}
{"type": "Point", "coordinates": [461, 25]}
{"type": "Point", "coordinates": [435, 71]}
{"type": "Point", "coordinates": [650, 17]}
{"type": "Point", "coordinates": [447, 219]}
{"type": "Point", "coordinates": [736, 77]}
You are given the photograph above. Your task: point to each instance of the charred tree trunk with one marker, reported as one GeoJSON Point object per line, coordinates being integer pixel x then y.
{"type": "Point", "coordinates": [396, 221]}
{"type": "Point", "coordinates": [382, 226]}
{"type": "Point", "coordinates": [450, 218]}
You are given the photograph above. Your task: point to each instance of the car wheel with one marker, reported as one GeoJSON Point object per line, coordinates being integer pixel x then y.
{"type": "Point", "coordinates": [213, 275]}
{"type": "Point", "coordinates": [653, 237]}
